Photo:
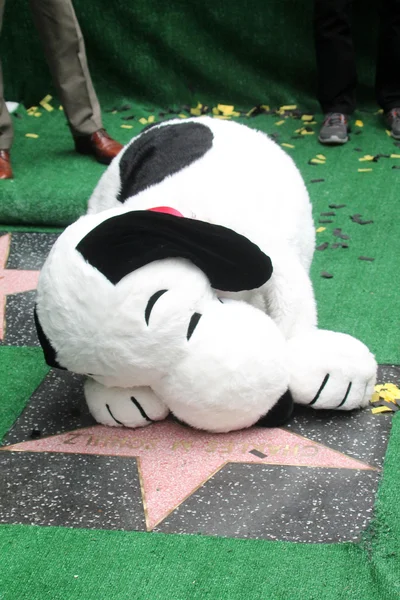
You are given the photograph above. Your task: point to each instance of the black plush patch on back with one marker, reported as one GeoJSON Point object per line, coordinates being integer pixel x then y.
{"type": "Point", "coordinates": [160, 152]}
{"type": "Point", "coordinates": [126, 242]}
{"type": "Point", "coordinates": [48, 350]}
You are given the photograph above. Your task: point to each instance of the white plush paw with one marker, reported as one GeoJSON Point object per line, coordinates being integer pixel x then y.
{"type": "Point", "coordinates": [123, 407]}
{"type": "Point", "coordinates": [331, 370]}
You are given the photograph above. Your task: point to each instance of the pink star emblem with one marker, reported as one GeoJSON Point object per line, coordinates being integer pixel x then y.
{"type": "Point", "coordinates": [12, 281]}
{"type": "Point", "coordinates": [174, 461]}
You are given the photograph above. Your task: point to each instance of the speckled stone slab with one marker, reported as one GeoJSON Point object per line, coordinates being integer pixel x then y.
{"type": "Point", "coordinates": [313, 480]}
{"type": "Point", "coordinates": [71, 490]}
{"type": "Point", "coordinates": [21, 256]}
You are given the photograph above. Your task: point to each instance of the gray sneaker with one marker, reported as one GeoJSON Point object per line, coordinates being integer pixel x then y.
{"type": "Point", "coordinates": [334, 129]}
{"type": "Point", "coordinates": [393, 121]}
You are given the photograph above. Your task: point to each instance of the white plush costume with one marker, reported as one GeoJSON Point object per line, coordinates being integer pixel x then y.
{"type": "Point", "coordinates": [179, 312]}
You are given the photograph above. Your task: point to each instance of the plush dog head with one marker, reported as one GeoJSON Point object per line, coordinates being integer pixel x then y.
{"type": "Point", "coordinates": [129, 298]}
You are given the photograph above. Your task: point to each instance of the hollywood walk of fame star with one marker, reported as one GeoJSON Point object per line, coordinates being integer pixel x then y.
{"type": "Point", "coordinates": [12, 281]}
{"type": "Point", "coordinates": [174, 461]}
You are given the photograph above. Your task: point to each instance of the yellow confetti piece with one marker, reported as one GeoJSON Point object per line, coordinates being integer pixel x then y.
{"type": "Point", "coordinates": [221, 116]}
{"type": "Point", "coordinates": [289, 107]}
{"type": "Point", "coordinates": [60, 107]}
{"type": "Point", "coordinates": [235, 114]}
{"type": "Point", "coordinates": [31, 135]}
{"type": "Point", "coordinates": [280, 122]}
{"type": "Point", "coordinates": [126, 126]}
{"type": "Point", "coordinates": [321, 157]}
{"type": "Point", "coordinates": [305, 132]}
{"type": "Point", "coordinates": [37, 114]}
{"type": "Point", "coordinates": [364, 170]}
{"type": "Point", "coordinates": [379, 112]}
{"type": "Point", "coordinates": [359, 123]}
{"type": "Point", "coordinates": [307, 117]}
{"type": "Point", "coordinates": [366, 158]}
{"type": "Point", "coordinates": [395, 156]}
{"type": "Point", "coordinates": [182, 116]}
{"type": "Point", "coordinates": [215, 111]}
{"type": "Point", "coordinates": [312, 122]}
{"type": "Point", "coordinates": [265, 107]}
{"type": "Point", "coordinates": [46, 99]}
{"type": "Point", "coordinates": [225, 109]}
{"type": "Point", "coordinates": [320, 229]}
{"type": "Point", "coordinates": [46, 106]}
{"type": "Point", "coordinates": [380, 409]}
{"type": "Point", "coordinates": [389, 133]}
{"type": "Point", "coordinates": [195, 112]}
{"type": "Point", "coordinates": [316, 161]}
{"type": "Point", "coordinates": [151, 119]}
{"type": "Point", "coordinates": [32, 109]}
{"type": "Point", "coordinates": [287, 145]}
{"type": "Point", "coordinates": [114, 112]}
{"type": "Point", "coordinates": [143, 121]}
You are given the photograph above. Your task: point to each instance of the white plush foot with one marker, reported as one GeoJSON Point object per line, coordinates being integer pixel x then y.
{"type": "Point", "coordinates": [331, 370]}
{"type": "Point", "coordinates": [128, 407]}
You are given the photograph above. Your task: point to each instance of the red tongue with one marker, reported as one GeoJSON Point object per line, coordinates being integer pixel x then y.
{"type": "Point", "coordinates": [166, 209]}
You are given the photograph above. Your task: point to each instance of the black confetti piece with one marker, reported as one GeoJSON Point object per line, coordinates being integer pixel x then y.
{"type": "Point", "coordinates": [17, 115]}
{"type": "Point", "coordinates": [338, 233]}
{"type": "Point", "coordinates": [357, 219]}
{"type": "Point", "coordinates": [125, 107]}
{"type": "Point", "coordinates": [316, 180]}
{"type": "Point", "coordinates": [390, 405]}
{"type": "Point", "coordinates": [337, 206]}
{"type": "Point", "coordinates": [326, 275]}
{"type": "Point", "coordinates": [297, 137]}
{"type": "Point", "coordinates": [322, 246]}
{"type": "Point", "coordinates": [357, 149]}
{"type": "Point", "coordinates": [328, 214]}
{"type": "Point", "coordinates": [35, 434]}
{"type": "Point", "coordinates": [128, 118]}
{"type": "Point", "coordinates": [396, 167]}
{"type": "Point", "coordinates": [368, 258]}
{"type": "Point", "coordinates": [257, 453]}
{"type": "Point", "coordinates": [325, 221]}
{"type": "Point", "coordinates": [357, 132]}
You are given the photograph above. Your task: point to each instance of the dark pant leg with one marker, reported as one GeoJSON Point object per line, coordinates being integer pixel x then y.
{"type": "Point", "coordinates": [65, 53]}
{"type": "Point", "coordinates": [6, 128]}
{"type": "Point", "coordinates": [388, 62]}
{"type": "Point", "coordinates": [336, 67]}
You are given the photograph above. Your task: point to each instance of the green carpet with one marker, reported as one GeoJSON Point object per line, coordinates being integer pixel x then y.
{"type": "Point", "coordinates": [179, 51]}
{"type": "Point", "coordinates": [52, 185]}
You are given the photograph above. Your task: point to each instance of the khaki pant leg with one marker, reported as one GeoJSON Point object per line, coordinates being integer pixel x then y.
{"type": "Point", "coordinates": [6, 128]}
{"type": "Point", "coordinates": [64, 48]}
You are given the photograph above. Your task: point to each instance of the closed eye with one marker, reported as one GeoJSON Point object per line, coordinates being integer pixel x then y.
{"type": "Point", "coordinates": [153, 299]}
{"type": "Point", "coordinates": [193, 324]}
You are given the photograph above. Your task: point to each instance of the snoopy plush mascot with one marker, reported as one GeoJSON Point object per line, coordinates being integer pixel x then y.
{"type": "Point", "coordinates": [185, 288]}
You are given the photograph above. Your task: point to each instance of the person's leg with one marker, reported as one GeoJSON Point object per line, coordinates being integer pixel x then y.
{"type": "Point", "coordinates": [64, 48]}
{"type": "Point", "coordinates": [335, 56]}
{"type": "Point", "coordinates": [388, 61]}
{"type": "Point", "coordinates": [6, 128]}
{"type": "Point", "coordinates": [65, 52]}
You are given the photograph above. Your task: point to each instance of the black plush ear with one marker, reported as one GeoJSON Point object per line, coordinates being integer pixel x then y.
{"type": "Point", "coordinates": [126, 242]}
{"type": "Point", "coordinates": [280, 413]}
{"type": "Point", "coordinates": [48, 350]}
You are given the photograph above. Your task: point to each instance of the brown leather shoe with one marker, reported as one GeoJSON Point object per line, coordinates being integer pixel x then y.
{"type": "Point", "coordinates": [5, 165]}
{"type": "Point", "coordinates": [99, 144]}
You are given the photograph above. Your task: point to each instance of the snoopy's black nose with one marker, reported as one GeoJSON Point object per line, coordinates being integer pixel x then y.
{"type": "Point", "coordinates": [280, 413]}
